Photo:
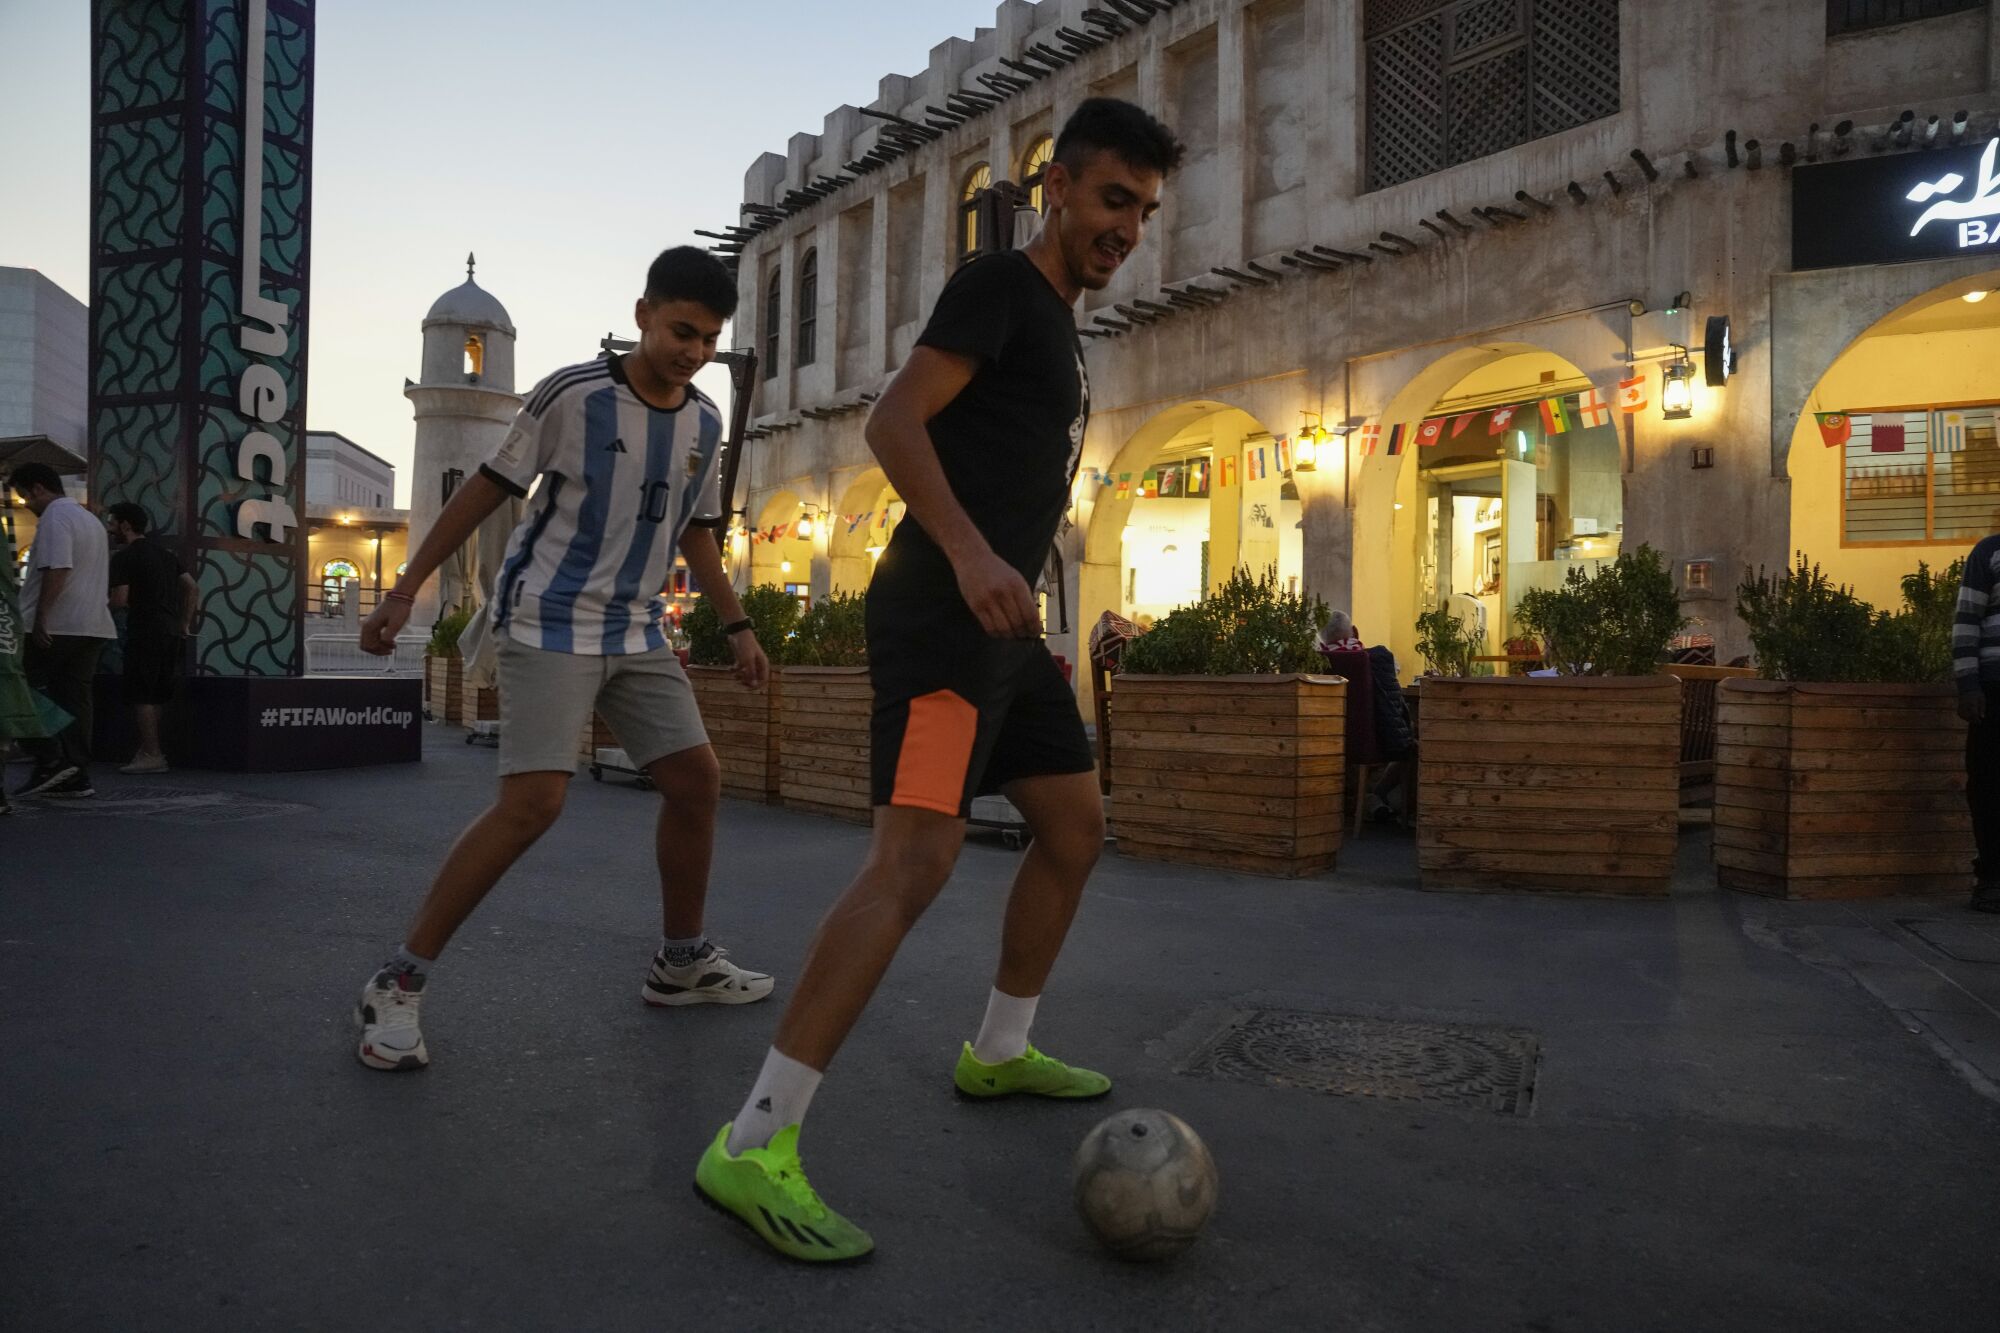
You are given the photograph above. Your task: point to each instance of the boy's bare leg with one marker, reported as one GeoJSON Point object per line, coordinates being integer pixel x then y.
{"type": "Point", "coordinates": [690, 787]}
{"type": "Point", "coordinates": [909, 860]}
{"type": "Point", "coordinates": [527, 805]}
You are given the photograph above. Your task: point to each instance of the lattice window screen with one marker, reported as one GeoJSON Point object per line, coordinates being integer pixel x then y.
{"type": "Point", "coordinates": [1454, 80]}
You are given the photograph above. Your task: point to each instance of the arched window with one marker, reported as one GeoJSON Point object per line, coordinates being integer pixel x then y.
{"type": "Point", "coordinates": [808, 313]}
{"type": "Point", "coordinates": [978, 180]}
{"type": "Point", "coordinates": [475, 355]}
{"type": "Point", "coordinates": [1035, 165]}
{"type": "Point", "coordinates": [774, 298]}
{"type": "Point", "coordinates": [333, 578]}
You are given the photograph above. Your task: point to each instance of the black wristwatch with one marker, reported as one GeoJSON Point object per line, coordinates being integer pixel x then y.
{"type": "Point", "coordinates": [736, 627]}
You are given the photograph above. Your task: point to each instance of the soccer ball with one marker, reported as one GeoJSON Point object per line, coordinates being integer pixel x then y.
{"type": "Point", "coordinates": [1144, 1184]}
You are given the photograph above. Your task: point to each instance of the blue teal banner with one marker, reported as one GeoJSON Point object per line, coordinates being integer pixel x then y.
{"type": "Point", "coordinates": [201, 200]}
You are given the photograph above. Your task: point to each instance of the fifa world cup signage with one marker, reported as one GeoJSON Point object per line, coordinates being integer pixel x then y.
{"type": "Point", "coordinates": [201, 161]}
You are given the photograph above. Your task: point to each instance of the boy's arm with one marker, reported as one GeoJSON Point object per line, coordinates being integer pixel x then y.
{"type": "Point", "coordinates": [476, 497]}
{"type": "Point", "coordinates": [704, 559]}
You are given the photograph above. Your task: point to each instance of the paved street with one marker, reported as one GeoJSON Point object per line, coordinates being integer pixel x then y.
{"type": "Point", "coordinates": [1744, 1115]}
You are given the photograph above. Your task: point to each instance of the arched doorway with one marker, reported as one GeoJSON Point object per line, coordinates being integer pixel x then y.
{"type": "Point", "coordinates": [1494, 472]}
{"type": "Point", "coordinates": [1896, 457]}
{"type": "Point", "coordinates": [781, 545]}
{"type": "Point", "coordinates": [1199, 491]}
{"type": "Point", "coordinates": [333, 577]}
{"type": "Point", "coordinates": [859, 530]}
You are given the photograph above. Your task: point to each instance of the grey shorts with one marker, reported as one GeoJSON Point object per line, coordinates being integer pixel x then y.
{"type": "Point", "coordinates": [546, 700]}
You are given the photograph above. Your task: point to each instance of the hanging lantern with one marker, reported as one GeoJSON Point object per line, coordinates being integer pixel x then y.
{"type": "Point", "coordinates": [1305, 444]}
{"type": "Point", "coordinates": [1677, 390]}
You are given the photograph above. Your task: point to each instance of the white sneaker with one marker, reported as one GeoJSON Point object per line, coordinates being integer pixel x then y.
{"type": "Point", "coordinates": [146, 763]}
{"type": "Point", "coordinates": [390, 1037]}
{"type": "Point", "coordinates": [710, 979]}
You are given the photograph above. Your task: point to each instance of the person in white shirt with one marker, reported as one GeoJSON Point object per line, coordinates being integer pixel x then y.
{"type": "Point", "coordinates": [65, 605]}
{"type": "Point", "coordinates": [627, 453]}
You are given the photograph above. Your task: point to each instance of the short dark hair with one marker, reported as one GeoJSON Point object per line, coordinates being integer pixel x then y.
{"type": "Point", "coordinates": [685, 273]}
{"type": "Point", "coordinates": [35, 474]}
{"type": "Point", "coordinates": [1120, 128]}
{"type": "Point", "coordinates": [131, 515]}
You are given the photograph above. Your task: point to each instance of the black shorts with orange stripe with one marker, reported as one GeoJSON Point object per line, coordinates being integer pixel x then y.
{"type": "Point", "coordinates": [959, 714]}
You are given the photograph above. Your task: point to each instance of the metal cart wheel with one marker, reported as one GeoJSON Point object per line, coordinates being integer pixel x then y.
{"type": "Point", "coordinates": [597, 772]}
{"type": "Point", "coordinates": [1013, 841]}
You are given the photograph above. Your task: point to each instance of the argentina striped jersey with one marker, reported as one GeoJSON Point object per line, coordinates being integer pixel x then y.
{"type": "Point", "coordinates": [621, 482]}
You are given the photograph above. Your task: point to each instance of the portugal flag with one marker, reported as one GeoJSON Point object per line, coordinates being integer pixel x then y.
{"type": "Point", "coordinates": [1834, 428]}
{"type": "Point", "coordinates": [1555, 416]}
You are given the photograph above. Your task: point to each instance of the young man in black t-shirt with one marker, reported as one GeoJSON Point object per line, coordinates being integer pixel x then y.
{"type": "Point", "coordinates": [158, 596]}
{"type": "Point", "coordinates": [980, 435]}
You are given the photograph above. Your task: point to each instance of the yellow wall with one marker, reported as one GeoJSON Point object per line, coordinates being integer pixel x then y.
{"type": "Point", "coordinates": [1902, 370]}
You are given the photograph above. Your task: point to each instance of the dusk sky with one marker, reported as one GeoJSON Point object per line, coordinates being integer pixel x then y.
{"type": "Point", "coordinates": [564, 146]}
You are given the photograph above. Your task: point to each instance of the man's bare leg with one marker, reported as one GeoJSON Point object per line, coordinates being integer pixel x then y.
{"type": "Point", "coordinates": [147, 717]}
{"type": "Point", "coordinates": [1065, 815]}
{"type": "Point", "coordinates": [527, 805]}
{"type": "Point", "coordinates": [909, 860]}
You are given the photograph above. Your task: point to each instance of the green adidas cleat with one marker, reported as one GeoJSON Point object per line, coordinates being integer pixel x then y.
{"type": "Point", "coordinates": [766, 1190]}
{"type": "Point", "coordinates": [1032, 1073]}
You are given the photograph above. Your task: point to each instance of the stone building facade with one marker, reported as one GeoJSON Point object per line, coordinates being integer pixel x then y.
{"type": "Point", "coordinates": [1401, 212]}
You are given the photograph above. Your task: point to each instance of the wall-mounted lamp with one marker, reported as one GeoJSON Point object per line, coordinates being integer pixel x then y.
{"type": "Point", "coordinates": [1306, 443]}
{"type": "Point", "coordinates": [1975, 296]}
{"type": "Point", "coordinates": [806, 526]}
{"type": "Point", "coordinates": [1677, 389]}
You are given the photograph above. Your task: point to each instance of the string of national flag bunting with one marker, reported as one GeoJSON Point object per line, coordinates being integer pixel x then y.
{"type": "Point", "coordinates": [1192, 478]}
{"type": "Point", "coordinates": [1891, 432]}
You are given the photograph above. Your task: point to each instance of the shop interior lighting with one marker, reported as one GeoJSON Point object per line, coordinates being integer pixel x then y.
{"type": "Point", "coordinates": [1677, 388]}
{"type": "Point", "coordinates": [784, 566]}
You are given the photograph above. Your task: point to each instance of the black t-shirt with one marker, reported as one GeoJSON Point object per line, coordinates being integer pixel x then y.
{"type": "Point", "coordinates": [1009, 442]}
{"type": "Point", "coordinates": [151, 575]}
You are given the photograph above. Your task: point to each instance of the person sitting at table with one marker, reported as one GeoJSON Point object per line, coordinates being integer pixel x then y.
{"type": "Point", "coordinates": [1395, 738]}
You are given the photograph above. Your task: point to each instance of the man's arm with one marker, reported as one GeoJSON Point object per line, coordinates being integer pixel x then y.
{"type": "Point", "coordinates": [477, 497]}
{"type": "Point", "coordinates": [190, 600]}
{"type": "Point", "coordinates": [704, 559]}
{"type": "Point", "coordinates": [54, 581]}
{"type": "Point", "coordinates": [898, 433]}
{"type": "Point", "coordinates": [1975, 598]}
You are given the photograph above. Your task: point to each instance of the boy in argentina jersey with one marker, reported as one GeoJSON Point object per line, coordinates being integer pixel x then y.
{"type": "Point", "coordinates": [979, 433]}
{"type": "Point", "coordinates": [628, 454]}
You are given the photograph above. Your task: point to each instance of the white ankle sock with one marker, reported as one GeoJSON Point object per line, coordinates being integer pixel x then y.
{"type": "Point", "coordinates": [783, 1092]}
{"type": "Point", "coordinates": [1004, 1034]}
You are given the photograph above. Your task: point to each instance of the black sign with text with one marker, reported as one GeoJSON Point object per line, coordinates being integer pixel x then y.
{"type": "Point", "coordinates": [277, 724]}
{"type": "Point", "coordinates": [1877, 210]}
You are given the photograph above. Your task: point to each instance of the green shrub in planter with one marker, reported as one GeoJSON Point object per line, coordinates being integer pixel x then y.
{"type": "Point", "coordinates": [1445, 644]}
{"type": "Point", "coordinates": [774, 611]}
{"type": "Point", "coordinates": [1615, 622]}
{"type": "Point", "coordinates": [444, 634]}
{"type": "Point", "coordinates": [1245, 627]}
{"type": "Point", "coordinates": [1805, 627]}
{"type": "Point", "coordinates": [832, 633]}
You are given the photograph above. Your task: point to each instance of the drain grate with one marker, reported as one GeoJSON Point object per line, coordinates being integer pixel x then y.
{"type": "Point", "coordinates": [1491, 1069]}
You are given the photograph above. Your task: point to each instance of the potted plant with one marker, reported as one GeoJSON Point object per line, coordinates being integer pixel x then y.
{"type": "Point", "coordinates": [444, 669]}
{"type": "Point", "coordinates": [1838, 773]}
{"type": "Point", "coordinates": [1568, 782]}
{"type": "Point", "coordinates": [742, 724]}
{"type": "Point", "coordinates": [824, 706]}
{"type": "Point", "coordinates": [1227, 749]}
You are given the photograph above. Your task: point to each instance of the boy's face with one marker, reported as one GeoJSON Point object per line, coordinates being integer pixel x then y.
{"type": "Point", "coordinates": [677, 338]}
{"type": "Point", "coordinates": [1102, 210]}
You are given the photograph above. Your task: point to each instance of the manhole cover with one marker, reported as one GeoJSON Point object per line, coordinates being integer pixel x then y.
{"type": "Point", "coordinates": [1489, 1068]}
{"type": "Point", "coordinates": [1967, 941]}
{"type": "Point", "coordinates": [191, 805]}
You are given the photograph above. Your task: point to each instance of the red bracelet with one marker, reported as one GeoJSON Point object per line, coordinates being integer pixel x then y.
{"type": "Point", "coordinates": [393, 596]}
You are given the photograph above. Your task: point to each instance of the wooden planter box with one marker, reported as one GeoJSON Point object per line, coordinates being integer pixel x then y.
{"type": "Point", "coordinates": [444, 687]}
{"type": "Point", "coordinates": [823, 715]}
{"type": "Point", "coordinates": [742, 726]}
{"type": "Point", "coordinates": [1840, 791]}
{"type": "Point", "coordinates": [1570, 784]}
{"type": "Point", "coordinates": [1235, 772]}
{"type": "Point", "coordinates": [477, 705]}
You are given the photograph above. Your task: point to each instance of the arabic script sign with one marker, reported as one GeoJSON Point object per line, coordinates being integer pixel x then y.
{"type": "Point", "coordinates": [1877, 210]}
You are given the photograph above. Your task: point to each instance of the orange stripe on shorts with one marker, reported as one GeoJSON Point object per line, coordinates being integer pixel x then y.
{"type": "Point", "coordinates": [937, 751]}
